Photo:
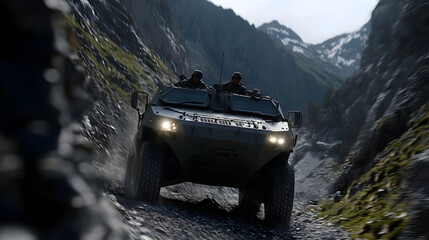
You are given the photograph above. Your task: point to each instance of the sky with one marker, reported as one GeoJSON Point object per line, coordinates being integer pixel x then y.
{"type": "Point", "coordinates": [313, 20]}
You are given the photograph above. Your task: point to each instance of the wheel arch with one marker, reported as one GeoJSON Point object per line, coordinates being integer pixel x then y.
{"type": "Point", "coordinates": [257, 184]}
{"type": "Point", "coordinates": [172, 171]}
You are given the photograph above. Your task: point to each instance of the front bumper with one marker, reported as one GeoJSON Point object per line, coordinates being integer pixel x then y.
{"type": "Point", "coordinates": [222, 155]}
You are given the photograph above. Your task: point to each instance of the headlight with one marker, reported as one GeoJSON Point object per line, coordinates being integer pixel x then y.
{"type": "Point", "coordinates": [277, 140]}
{"type": "Point", "coordinates": [168, 126]}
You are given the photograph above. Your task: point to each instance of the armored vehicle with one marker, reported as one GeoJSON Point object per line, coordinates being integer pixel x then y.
{"type": "Point", "coordinates": [215, 138]}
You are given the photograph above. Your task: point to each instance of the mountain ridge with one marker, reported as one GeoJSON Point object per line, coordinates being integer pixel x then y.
{"type": "Point", "coordinates": [339, 55]}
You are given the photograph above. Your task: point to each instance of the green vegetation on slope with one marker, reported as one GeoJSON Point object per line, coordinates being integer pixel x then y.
{"type": "Point", "coordinates": [118, 70]}
{"type": "Point", "coordinates": [320, 76]}
{"type": "Point", "coordinates": [374, 206]}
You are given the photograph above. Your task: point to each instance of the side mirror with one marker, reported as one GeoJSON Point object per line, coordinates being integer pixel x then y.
{"type": "Point", "coordinates": [294, 118]}
{"type": "Point", "coordinates": [134, 99]}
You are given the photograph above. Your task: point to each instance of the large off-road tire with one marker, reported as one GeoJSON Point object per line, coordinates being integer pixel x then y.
{"type": "Point", "coordinates": [280, 194]}
{"type": "Point", "coordinates": [247, 203]}
{"type": "Point", "coordinates": [149, 172]}
{"type": "Point", "coordinates": [130, 178]}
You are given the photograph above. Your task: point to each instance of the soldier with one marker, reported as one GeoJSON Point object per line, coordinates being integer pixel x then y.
{"type": "Point", "coordinates": [234, 85]}
{"type": "Point", "coordinates": [194, 82]}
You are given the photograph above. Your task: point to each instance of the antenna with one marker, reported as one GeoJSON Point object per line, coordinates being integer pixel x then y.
{"type": "Point", "coordinates": [221, 68]}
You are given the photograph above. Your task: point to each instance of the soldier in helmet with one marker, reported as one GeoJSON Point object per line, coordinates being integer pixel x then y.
{"type": "Point", "coordinates": [193, 82]}
{"type": "Point", "coordinates": [234, 85]}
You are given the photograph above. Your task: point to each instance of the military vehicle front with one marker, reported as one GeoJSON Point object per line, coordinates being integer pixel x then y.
{"type": "Point", "coordinates": [215, 138]}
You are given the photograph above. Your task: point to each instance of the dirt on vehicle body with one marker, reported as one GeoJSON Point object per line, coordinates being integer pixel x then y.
{"type": "Point", "coordinates": [215, 138]}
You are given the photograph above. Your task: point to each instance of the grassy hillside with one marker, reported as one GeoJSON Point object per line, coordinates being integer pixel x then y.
{"type": "Point", "coordinates": [375, 206]}
{"type": "Point", "coordinates": [322, 77]}
{"type": "Point", "coordinates": [116, 70]}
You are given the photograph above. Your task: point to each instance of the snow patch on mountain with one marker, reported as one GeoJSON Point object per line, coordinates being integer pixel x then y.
{"type": "Point", "coordinates": [344, 61]}
{"type": "Point", "coordinates": [344, 50]}
{"type": "Point", "coordinates": [339, 55]}
{"type": "Point", "coordinates": [271, 30]}
{"type": "Point", "coordinates": [293, 42]}
{"type": "Point", "coordinates": [297, 49]}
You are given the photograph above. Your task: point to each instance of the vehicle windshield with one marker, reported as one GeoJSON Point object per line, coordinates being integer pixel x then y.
{"type": "Point", "coordinates": [186, 97]}
{"type": "Point", "coordinates": [264, 107]}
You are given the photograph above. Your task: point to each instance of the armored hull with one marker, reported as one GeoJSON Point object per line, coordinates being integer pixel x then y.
{"type": "Point", "coordinates": [218, 148]}
{"type": "Point", "coordinates": [215, 138]}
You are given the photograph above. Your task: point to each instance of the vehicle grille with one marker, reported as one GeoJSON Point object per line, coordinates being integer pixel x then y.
{"type": "Point", "coordinates": [229, 122]}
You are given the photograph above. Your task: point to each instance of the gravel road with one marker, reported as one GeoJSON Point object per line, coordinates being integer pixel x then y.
{"type": "Point", "coordinates": [193, 211]}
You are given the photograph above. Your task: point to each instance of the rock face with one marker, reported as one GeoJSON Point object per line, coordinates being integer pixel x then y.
{"type": "Point", "coordinates": [47, 188]}
{"type": "Point", "coordinates": [416, 182]}
{"type": "Point", "coordinates": [343, 52]}
{"type": "Point", "coordinates": [339, 56]}
{"type": "Point", "coordinates": [285, 37]}
{"type": "Point", "coordinates": [160, 32]}
{"type": "Point", "coordinates": [374, 106]}
{"type": "Point", "coordinates": [116, 61]}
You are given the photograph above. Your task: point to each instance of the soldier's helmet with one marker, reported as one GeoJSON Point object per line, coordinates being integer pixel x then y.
{"type": "Point", "coordinates": [236, 75]}
{"type": "Point", "coordinates": [197, 73]}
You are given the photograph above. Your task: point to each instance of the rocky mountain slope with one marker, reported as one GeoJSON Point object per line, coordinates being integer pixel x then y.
{"type": "Point", "coordinates": [286, 37]}
{"type": "Point", "coordinates": [378, 121]}
{"type": "Point", "coordinates": [339, 56]}
{"type": "Point", "coordinates": [344, 52]}
{"type": "Point", "coordinates": [211, 30]}
{"type": "Point", "coordinates": [160, 32]}
{"type": "Point", "coordinates": [116, 61]}
{"type": "Point", "coordinates": [48, 189]}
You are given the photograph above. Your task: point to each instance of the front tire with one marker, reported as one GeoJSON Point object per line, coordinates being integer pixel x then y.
{"type": "Point", "coordinates": [149, 169]}
{"type": "Point", "coordinates": [130, 183]}
{"type": "Point", "coordinates": [280, 194]}
{"type": "Point", "coordinates": [247, 203]}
